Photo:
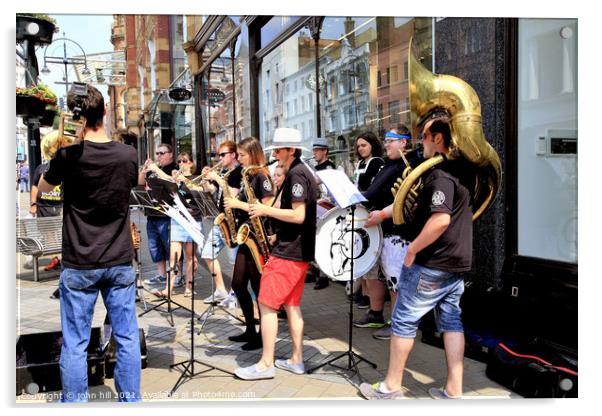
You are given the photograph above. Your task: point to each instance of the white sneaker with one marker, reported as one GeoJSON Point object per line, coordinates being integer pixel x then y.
{"type": "Point", "coordinates": [217, 297]}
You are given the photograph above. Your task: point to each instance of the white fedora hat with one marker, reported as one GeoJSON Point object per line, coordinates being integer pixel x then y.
{"type": "Point", "coordinates": [285, 137]}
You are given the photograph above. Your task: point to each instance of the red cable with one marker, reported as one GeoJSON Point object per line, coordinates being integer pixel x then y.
{"type": "Point", "coordinates": [538, 359]}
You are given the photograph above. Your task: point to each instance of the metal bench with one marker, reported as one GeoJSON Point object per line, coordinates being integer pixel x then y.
{"type": "Point", "coordinates": [39, 237]}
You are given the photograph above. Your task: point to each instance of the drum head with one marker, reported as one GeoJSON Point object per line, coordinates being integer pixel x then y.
{"type": "Point", "coordinates": [333, 243]}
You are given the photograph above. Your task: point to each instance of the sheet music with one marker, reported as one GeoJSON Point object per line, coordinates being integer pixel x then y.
{"type": "Point", "coordinates": [340, 187]}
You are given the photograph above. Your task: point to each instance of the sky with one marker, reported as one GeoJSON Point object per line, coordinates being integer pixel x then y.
{"type": "Point", "coordinates": [91, 32]}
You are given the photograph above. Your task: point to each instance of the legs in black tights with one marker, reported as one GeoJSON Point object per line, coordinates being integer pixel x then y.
{"type": "Point", "coordinates": [245, 271]}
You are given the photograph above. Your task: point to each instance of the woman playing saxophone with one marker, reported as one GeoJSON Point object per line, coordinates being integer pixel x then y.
{"type": "Point", "coordinates": [250, 153]}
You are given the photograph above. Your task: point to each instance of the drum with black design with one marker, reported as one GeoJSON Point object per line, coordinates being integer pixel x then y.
{"type": "Point", "coordinates": [333, 243]}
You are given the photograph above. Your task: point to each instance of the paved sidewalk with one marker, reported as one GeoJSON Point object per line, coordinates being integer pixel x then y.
{"type": "Point", "coordinates": [326, 332]}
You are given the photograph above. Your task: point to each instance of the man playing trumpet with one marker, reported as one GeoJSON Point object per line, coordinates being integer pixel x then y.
{"type": "Point", "coordinates": [157, 223]}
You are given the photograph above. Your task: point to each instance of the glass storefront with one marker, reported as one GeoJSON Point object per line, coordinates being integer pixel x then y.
{"type": "Point", "coordinates": [547, 139]}
{"type": "Point", "coordinates": [362, 83]}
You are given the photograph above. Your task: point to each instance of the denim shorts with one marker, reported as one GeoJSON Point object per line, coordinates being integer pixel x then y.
{"type": "Point", "coordinates": [157, 232]}
{"type": "Point", "coordinates": [177, 233]}
{"type": "Point", "coordinates": [421, 290]}
{"type": "Point", "coordinates": [215, 243]}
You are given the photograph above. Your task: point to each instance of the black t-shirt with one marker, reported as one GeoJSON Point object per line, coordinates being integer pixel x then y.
{"type": "Point", "coordinates": [234, 181]}
{"type": "Point", "coordinates": [262, 187]}
{"type": "Point", "coordinates": [297, 242]}
{"type": "Point", "coordinates": [443, 192]}
{"type": "Point", "coordinates": [327, 164]}
{"type": "Point", "coordinates": [48, 203]}
{"type": "Point", "coordinates": [366, 172]}
{"type": "Point", "coordinates": [97, 179]}
{"type": "Point", "coordinates": [159, 193]}
{"type": "Point", "coordinates": [379, 194]}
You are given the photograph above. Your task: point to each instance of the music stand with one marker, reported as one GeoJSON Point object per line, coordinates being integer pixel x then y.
{"type": "Point", "coordinates": [161, 191]}
{"type": "Point", "coordinates": [208, 209]}
{"type": "Point", "coordinates": [346, 196]}
{"type": "Point", "coordinates": [139, 198]}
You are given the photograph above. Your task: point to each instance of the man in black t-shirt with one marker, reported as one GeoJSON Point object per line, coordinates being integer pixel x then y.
{"type": "Point", "coordinates": [216, 242]}
{"type": "Point", "coordinates": [383, 276]}
{"type": "Point", "coordinates": [431, 277]}
{"type": "Point", "coordinates": [283, 275]}
{"type": "Point", "coordinates": [97, 176]}
{"type": "Point", "coordinates": [157, 223]}
{"type": "Point", "coordinates": [47, 204]}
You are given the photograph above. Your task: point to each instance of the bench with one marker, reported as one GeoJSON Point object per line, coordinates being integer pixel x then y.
{"type": "Point", "coordinates": [39, 237]}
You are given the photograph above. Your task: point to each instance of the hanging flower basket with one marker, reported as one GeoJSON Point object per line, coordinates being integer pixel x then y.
{"type": "Point", "coordinates": [32, 102]}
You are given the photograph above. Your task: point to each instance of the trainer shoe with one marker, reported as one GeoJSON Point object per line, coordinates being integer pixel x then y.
{"type": "Point", "coordinates": [226, 301]}
{"type": "Point", "coordinates": [218, 296]}
{"type": "Point", "coordinates": [288, 366]}
{"type": "Point", "coordinates": [370, 320]}
{"type": "Point", "coordinates": [383, 333]}
{"type": "Point", "coordinates": [374, 392]}
{"type": "Point", "coordinates": [252, 373]}
{"type": "Point", "coordinates": [157, 280]}
{"type": "Point", "coordinates": [440, 393]}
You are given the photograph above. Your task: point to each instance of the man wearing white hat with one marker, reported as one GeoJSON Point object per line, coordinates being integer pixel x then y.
{"type": "Point", "coordinates": [283, 275]}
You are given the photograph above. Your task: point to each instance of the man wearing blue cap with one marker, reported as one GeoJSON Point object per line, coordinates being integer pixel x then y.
{"type": "Point", "coordinates": [383, 276]}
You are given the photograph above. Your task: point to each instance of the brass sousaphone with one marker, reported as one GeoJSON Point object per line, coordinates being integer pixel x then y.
{"type": "Point", "coordinates": [429, 94]}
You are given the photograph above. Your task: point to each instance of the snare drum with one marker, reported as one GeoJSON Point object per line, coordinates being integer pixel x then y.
{"type": "Point", "coordinates": [333, 243]}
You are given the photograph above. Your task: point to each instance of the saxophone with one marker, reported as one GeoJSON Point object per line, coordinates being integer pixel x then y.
{"type": "Point", "coordinates": [225, 220]}
{"type": "Point", "coordinates": [255, 239]}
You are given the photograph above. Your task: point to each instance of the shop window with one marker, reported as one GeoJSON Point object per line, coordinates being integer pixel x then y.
{"type": "Point", "coordinates": [547, 139]}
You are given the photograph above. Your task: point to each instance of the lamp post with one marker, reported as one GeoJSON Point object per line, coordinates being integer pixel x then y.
{"type": "Point", "coordinates": [65, 60]}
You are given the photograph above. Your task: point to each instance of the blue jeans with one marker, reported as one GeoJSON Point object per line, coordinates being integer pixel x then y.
{"type": "Point", "coordinates": [421, 290]}
{"type": "Point", "coordinates": [157, 232]}
{"type": "Point", "coordinates": [78, 293]}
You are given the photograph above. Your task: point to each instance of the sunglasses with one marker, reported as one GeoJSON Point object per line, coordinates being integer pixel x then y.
{"type": "Point", "coordinates": [183, 161]}
{"type": "Point", "coordinates": [223, 154]}
{"type": "Point", "coordinates": [160, 153]}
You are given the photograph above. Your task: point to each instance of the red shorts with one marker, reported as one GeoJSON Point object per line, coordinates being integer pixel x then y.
{"type": "Point", "coordinates": [282, 282]}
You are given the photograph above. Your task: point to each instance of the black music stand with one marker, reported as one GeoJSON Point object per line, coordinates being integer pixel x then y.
{"type": "Point", "coordinates": [208, 209]}
{"type": "Point", "coordinates": [161, 191]}
{"type": "Point", "coordinates": [140, 198]}
{"type": "Point", "coordinates": [349, 200]}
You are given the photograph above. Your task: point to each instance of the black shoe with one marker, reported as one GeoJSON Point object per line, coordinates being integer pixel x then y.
{"type": "Point", "coordinates": [244, 337]}
{"type": "Point", "coordinates": [253, 344]}
{"type": "Point", "coordinates": [370, 320]}
{"type": "Point", "coordinates": [55, 295]}
{"type": "Point", "coordinates": [321, 283]}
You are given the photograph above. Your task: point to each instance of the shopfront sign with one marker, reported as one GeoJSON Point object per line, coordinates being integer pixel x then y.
{"type": "Point", "coordinates": [214, 95]}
